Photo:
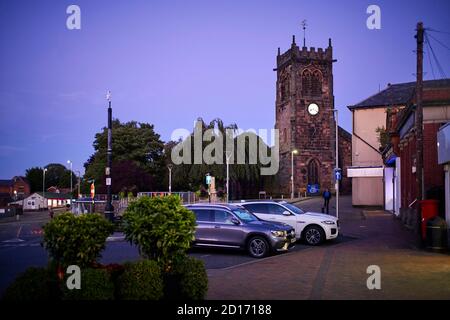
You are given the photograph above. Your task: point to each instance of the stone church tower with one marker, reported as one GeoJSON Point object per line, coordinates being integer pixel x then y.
{"type": "Point", "coordinates": [305, 118]}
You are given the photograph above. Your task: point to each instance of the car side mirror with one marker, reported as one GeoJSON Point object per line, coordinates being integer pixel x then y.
{"type": "Point", "coordinates": [286, 213]}
{"type": "Point", "coordinates": [235, 221]}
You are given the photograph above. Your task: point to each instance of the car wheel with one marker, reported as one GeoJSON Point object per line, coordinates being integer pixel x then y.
{"type": "Point", "coordinates": [258, 247]}
{"type": "Point", "coordinates": [314, 235]}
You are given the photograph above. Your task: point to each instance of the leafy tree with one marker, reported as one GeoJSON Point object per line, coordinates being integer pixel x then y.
{"type": "Point", "coordinates": [34, 176]}
{"type": "Point", "coordinates": [128, 176]}
{"type": "Point", "coordinates": [382, 136]}
{"type": "Point", "coordinates": [245, 179]}
{"type": "Point", "coordinates": [57, 175]}
{"type": "Point", "coordinates": [131, 141]}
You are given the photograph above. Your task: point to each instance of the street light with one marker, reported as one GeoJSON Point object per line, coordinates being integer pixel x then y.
{"type": "Point", "coordinates": [228, 155]}
{"type": "Point", "coordinates": [292, 172]}
{"type": "Point", "coordinates": [109, 209]}
{"type": "Point", "coordinates": [170, 166]}
{"type": "Point", "coordinates": [70, 162]}
{"type": "Point", "coordinates": [337, 162]}
{"type": "Point", "coordinates": [43, 184]}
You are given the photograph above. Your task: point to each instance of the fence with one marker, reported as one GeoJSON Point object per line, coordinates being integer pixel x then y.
{"type": "Point", "coordinates": [186, 197]}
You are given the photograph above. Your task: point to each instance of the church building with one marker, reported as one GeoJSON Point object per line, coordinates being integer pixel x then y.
{"type": "Point", "coordinates": [306, 122]}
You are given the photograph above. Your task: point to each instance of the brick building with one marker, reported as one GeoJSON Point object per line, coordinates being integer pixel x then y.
{"type": "Point", "coordinates": [13, 189]}
{"type": "Point", "coordinates": [401, 127]}
{"type": "Point", "coordinates": [305, 120]}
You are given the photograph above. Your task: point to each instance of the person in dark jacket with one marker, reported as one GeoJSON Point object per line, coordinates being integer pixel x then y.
{"type": "Point", "coordinates": [326, 204]}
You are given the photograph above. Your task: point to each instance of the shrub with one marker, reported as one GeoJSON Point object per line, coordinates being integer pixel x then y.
{"type": "Point", "coordinates": [140, 281]}
{"type": "Point", "coordinates": [160, 226]}
{"type": "Point", "coordinates": [77, 240]}
{"type": "Point", "coordinates": [96, 284]}
{"type": "Point", "coordinates": [33, 284]}
{"type": "Point", "coordinates": [187, 280]}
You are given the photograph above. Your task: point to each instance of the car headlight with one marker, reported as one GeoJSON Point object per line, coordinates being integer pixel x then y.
{"type": "Point", "coordinates": [277, 233]}
{"type": "Point", "coordinates": [328, 222]}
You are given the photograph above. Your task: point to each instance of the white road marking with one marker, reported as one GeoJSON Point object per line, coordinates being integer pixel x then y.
{"type": "Point", "coordinates": [18, 231]}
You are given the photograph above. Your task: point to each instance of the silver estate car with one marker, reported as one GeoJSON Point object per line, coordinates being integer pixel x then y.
{"type": "Point", "coordinates": [232, 226]}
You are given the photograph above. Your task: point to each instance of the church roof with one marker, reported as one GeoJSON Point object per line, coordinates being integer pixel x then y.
{"type": "Point", "coordinates": [397, 94]}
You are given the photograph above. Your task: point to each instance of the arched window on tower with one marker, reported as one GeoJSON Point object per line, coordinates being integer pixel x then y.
{"type": "Point", "coordinates": [313, 172]}
{"type": "Point", "coordinates": [306, 83]}
{"type": "Point", "coordinates": [316, 83]}
{"type": "Point", "coordinates": [285, 138]}
{"type": "Point", "coordinates": [284, 86]}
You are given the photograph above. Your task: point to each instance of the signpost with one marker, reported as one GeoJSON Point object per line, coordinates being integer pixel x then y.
{"type": "Point", "coordinates": [338, 174]}
{"type": "Point", "coordinates": [208, 182]}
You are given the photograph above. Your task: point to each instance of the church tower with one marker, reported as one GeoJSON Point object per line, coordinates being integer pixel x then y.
{"type": "Point", "coordinates": [304, 117]}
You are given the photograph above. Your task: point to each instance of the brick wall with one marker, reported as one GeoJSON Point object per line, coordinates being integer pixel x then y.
{"type": "Point", "coordinates": [433, 172]}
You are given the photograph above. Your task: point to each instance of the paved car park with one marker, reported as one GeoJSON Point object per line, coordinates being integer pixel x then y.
{"type": "Point", "coordinates": [20, 247]}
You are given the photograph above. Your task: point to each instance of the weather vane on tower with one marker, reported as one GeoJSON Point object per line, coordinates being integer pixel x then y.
{"type": "Point", "coordinates": [304, 32]}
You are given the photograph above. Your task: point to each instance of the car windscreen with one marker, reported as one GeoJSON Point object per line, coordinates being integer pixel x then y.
{"type": "Point", "coordinates": [244, 215]}
{"type": "Point", "coordinates": [293, 208]}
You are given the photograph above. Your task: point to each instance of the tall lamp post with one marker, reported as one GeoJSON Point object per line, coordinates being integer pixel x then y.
{"type": "Point", "coordinates": [292, 172]}
{"type": "Point", "coordinates": [337, 162]}
{"type": "Point", "coordinates": [109, 209]}
{"type": "Point", "coordinates": [170, 166]}
{"type": "Point", "coordinates": [71, 189]}
{"type": "Point", "coordinates": [228, 155]}
{"type": "Point", "coordinates": [43, 184]}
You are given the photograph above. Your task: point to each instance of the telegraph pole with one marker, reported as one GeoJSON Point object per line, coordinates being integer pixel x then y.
{"type": "Point", "coordinates": [419, 118]}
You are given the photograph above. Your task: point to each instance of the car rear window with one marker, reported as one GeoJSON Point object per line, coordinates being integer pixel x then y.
{"type": "Point", "coordinates": [256, 207]}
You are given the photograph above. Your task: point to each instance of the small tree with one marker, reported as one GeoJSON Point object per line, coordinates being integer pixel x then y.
{"type": "Point", "coordinates": [78, 240]}
{"type": "Point", "coordinates": [383, 137]}
{"type": "Point", "coordinates": [161, 227]}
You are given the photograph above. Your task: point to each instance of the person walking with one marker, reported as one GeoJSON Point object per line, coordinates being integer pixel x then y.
{"type": "Point", "coordinates": [326, 204]}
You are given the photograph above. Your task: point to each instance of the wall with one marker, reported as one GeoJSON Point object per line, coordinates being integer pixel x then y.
{"type": "Point", "coordinates": [367, 191]}
{"type": "Point", "coordinates": [345, 160]}
{"type": "Point", "coordinates": [365, 122]}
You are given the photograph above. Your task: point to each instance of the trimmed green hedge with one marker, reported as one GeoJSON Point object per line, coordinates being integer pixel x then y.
{"type": "Point", "coordinates": [188, 280]}
{"type": "Point", "coordinates": [33, 284]}
{"type": "Point", "coordinates": [140, 280]}
{"type": "Point", "coordinates": [96, 284]}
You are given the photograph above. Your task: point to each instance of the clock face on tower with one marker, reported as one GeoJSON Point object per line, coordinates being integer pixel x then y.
{"type": "Point", "coordinates": [313, 109]}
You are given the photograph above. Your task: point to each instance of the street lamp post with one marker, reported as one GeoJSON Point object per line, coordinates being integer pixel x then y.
{"type": "Point", "coordinates": [337, 162]}
{"type": "Point", "coordinates": [228, 155]}
{"type": "Point", "coordinates": [109, 209]}
{"type": "Point", "coordinates": [170, 177]}
{"type": "Point", "coordinates": [43, 184]}
{"type": "Point", "coordinates": [71, 190]}
{"type": "Point", "coordinates": [292, 172]}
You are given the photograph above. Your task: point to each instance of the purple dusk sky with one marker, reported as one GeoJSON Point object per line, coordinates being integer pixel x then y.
{"type": "Point", "coordinates": [169, 62]}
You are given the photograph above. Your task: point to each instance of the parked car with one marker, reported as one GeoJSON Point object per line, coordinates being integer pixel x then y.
{"type": "Point", "coordinates": [232, 226]}
{"type": "Point", "coordinates": [314, 228]}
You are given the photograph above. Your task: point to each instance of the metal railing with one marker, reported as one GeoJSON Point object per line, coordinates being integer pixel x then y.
{"type": "Point", "coordinates": [187, 197]}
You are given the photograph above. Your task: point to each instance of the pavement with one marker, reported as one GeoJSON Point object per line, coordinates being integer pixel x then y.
{"type": "Point", "coordinates": [339, 270]}
{"type": "Point", "coordinates": [334, 270]}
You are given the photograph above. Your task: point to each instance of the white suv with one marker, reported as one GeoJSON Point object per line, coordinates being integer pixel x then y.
{"type": "Point", "coordinates": [313, 227]}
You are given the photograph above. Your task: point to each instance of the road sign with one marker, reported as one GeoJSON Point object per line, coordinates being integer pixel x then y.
{"type": "Point", "coordinates": [108, 181]}
{"type": "Point", "coordinates": [338, 174]}
{"type": "Point", "coordinates": [208, 179]}
{"type": "Point", "coordinates": [313, 188]}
